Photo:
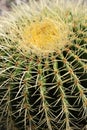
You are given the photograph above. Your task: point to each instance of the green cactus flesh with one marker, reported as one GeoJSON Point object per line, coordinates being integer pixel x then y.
{"type": "Point", "coordinates": [40, 87]}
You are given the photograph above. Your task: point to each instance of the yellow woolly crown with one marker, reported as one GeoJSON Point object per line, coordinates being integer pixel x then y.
{"type": "Point", "coordinates": [45, 36]}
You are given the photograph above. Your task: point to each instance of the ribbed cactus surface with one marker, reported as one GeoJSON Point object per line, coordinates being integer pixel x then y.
{"type": "Point", "coordinates": [43, 66]}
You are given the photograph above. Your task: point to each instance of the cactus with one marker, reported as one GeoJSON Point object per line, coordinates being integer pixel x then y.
{"type": "Point", "coordinates": [43, 66]}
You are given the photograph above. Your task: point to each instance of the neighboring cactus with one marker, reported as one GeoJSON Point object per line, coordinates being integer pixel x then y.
{"type": "Point", "coordinates": [43, 67]}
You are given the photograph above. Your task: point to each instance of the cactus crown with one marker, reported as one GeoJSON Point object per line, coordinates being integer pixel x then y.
{"type": "Point", "coordinates": [44, 35]}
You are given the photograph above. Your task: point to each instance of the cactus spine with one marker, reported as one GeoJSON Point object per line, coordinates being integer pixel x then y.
{"type": "Point", "coordinates": [43, 67]}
